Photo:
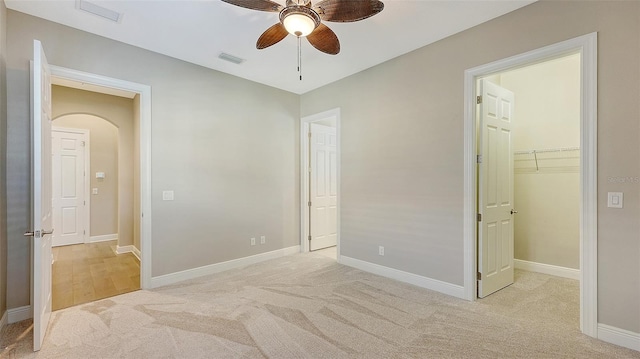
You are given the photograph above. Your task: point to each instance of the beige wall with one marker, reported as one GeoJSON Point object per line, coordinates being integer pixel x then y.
{"type": "Point", "coordinates": [402, 145]}
{"type": "Point", "coordinates": [228, 147]}
{"type": "Point", "coordinates": [104, 158]}
{"type": "Point", "coordinates": [118, 111]}
{"type": "Point", "coordinates": [547, 116]}
{"type": "Point", "coordinates": [3, 163]}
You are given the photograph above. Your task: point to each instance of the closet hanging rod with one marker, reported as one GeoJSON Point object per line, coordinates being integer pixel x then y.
{"type": "Point", "coordinates": [547, 150]}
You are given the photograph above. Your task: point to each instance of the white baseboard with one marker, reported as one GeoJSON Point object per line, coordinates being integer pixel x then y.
{"type": "Point", "coordinates": [4, 320]}
{"type": "Point", "coordinates": [617, 336]}
{"type": "Point", "coordinates": [547, 269]}
{"type": "Point", "coordinates": [220, 267]}
{"type": "Point", "coordinates": [402, 276]}
{"type": "Point", "coordinates": [103, 238]}
{"type": "Point", "coordinates": [128, 249]}
{"type": "Point", "coordinates": [19, 314]}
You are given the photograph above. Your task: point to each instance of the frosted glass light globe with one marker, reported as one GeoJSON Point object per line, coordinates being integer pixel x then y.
{"type": "Point", "coordinates": [299, 24]}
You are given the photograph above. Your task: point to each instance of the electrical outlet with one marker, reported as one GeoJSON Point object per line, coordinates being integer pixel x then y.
{"type": "Point", "coordinates": [263, 239]}
{"type": "Point", "coordinates": [253, 241]}
{"type": "Point", "coordinates": [381, 250]}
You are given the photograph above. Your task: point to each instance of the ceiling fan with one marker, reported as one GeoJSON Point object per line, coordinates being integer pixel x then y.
{"type": "Point", "coordinates": [302, 19]}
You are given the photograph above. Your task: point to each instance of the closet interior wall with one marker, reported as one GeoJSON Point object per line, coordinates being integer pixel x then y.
{"type": "Point", "coordinates": [546, 143]}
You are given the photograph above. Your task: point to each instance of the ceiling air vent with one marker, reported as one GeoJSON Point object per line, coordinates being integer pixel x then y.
{"type": "Point", "coordinates": [236, 60]}
{"type": "Point", "coordinates": [98, 10]}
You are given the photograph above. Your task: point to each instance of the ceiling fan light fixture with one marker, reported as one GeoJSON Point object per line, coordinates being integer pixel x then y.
{"type": "Point", "coordinates": [299, 24]}
{"type": "Point", "coordinates": [299, 21]}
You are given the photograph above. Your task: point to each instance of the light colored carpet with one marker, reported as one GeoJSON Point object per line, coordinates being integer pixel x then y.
{"type": "Point", "coordinates": [308, 306]}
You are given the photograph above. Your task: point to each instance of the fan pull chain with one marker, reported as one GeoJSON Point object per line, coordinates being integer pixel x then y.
{"type": "Point", "coordinates": [300, 57]}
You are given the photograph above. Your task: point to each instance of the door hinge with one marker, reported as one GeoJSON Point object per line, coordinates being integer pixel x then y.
{"type": "Point", "coordinates": [479, 159]}
{"type": "Point", "coordinates": [84, 203]}
{"type": "Point", "coordinates": [84, 232]}
{"type": "Point", "coordinates": [309, 203]}
{"type": "Point", "coordinates": [309, 134]}
{"type": "Point", "coordinates": [478, 100]}
{"type": "Point", "coordinates": [479, 217]}
{"type": "Point", "coordinates": [479, 276]}
{"type": "Point", "coordinates": [82, 143]}
{"type": "Point", "coordinates": [309, 169]}
{"type": "Point", "coordinates": [309, 238]}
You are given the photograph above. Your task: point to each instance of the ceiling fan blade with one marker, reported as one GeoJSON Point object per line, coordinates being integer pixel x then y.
{"type": "Point", "coordinates": [325, 40]}
{"type": "Point", "coordinates": [347, 10]}
{"type": "Point", "coordinates": [262, 5]}
{"type": "Point", "coordinates": [272, 36]}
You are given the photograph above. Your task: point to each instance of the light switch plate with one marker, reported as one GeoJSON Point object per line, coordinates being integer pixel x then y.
{"type": "Point", "coordinates": [167, 195]}
{"type": "Point", "coordinates": [615, 199]}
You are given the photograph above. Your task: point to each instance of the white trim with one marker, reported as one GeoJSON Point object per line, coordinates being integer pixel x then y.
{"type": "Point", "coordinates": [617, 336]}
{"type": "Point", "coordinates": [19, 314]}
{"type": "Point", "coordinates": [87, 178]}
{"type": "Point", "coordinates": [176, 277]}
{"type": "Point", "coordinates": [549, 269]}
{"type": "Point", "coordinates": [128, 249]}
{"type": "Point", "coordinates": [103, 238]}
{"type": "Point", "coordinates": [406, 277]}
{"type": "Point", "coordinates": [304, 174]}
{"type": "Point", "coordinates": [4, 320]}
{"type": "Point", "coordinates": [586, 45]}
{"type": "Point", "coordinates": [145, 155]}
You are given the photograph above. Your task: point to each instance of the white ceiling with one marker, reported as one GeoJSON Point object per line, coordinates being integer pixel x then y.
{"type": "Point", "coordinates": [198, 31]}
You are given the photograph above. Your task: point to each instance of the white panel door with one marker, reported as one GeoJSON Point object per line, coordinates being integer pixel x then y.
{"type": "Point", "coordinates": [495, 232]}
{"type": "Point", "coordinates": [68, 187]}
{"type": "Point", "coordinates": [41, 196]}
{"type": "Point", "coordinates": [323, 187]}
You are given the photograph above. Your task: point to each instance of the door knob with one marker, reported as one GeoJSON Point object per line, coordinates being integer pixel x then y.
{"type": "Point", "coordinates": [513, 211]}
{"type": "Point", "coordinates": [44, 233]}
{"type": "Point", "coordinates": [28, 234]}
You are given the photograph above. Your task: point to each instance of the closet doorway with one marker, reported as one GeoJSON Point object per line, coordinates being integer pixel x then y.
{"type": "Point", "coordinates": [587, 47]}
{"type": "Point", "coordinates": [529, 173]}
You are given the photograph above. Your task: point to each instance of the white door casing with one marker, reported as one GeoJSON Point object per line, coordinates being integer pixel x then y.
{"type": "Point", "coordinates": [495, 232]}
{"type": "Point", "coordinates": [323, 192]}
{"type": "Point", "coordinates": [69, 186]}
{"type": "Point", "coordinates": [587, 47]}
{"type": "Point", "coordinates": [41, 193]}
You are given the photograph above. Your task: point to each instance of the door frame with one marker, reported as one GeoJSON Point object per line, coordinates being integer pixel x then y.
{"type": "Point", "coordinates": [586, 46]}
{"type": "Point", "coordinates": [144, 91]}
{"type": "Point", "coordinates": [304, 175]}
{"type": "Point", "coordinates": [86, 178]}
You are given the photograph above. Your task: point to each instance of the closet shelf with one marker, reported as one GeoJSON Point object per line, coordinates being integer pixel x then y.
{"type": "Point", "coordinates": [561, 158]}
{"type": "Point", "coordinates": [547, 150]}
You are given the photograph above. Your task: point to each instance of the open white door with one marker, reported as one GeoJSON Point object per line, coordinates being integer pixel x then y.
{"type": "Point", "coordinates": [41, 193]}
{"type": "Point", "coordinates": [323, 187]}
{"type": "Point", "coordinates": [495, 189]}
